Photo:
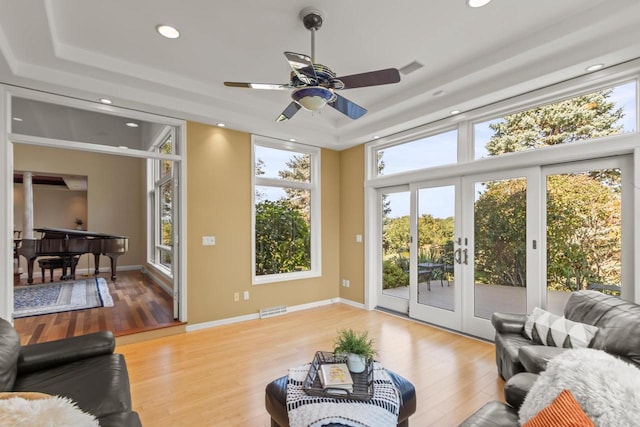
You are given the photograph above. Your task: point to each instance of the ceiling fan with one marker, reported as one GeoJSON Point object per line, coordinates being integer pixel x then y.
{"type": "Point", "coordinates": [314, 85]}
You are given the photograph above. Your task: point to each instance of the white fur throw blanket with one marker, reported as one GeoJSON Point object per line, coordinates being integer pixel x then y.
{"type": "Point", "coordinates": [607, 388]}
{"type": "Point", "coordinates": [51, 412]}
{"type": "Point", "coordinates": [313, 411]}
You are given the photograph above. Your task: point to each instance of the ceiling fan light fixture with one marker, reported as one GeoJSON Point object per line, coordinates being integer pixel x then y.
{"type": "Point", "coordinates": [312, 98]}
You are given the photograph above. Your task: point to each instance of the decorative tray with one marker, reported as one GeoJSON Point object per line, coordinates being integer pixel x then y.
{"type": "Point", "coordinates": [362, 382]}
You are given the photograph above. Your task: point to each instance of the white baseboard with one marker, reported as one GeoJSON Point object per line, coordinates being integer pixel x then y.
{"type": "Point", "coordinates": [237, 319]}
{"type": "Point", "coordinates": [87, 271]}
{"type": "Point", "coordinates": [351, 303]}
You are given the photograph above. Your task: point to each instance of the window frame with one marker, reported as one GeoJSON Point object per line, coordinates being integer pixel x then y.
{"type": "Point", "coordinates": [314, 190]}
{"type": "Point", "coordinates": [157, 181]}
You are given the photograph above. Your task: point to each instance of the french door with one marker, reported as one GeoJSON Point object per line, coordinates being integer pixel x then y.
{"type": "Point", "coordinates": [508, 241]}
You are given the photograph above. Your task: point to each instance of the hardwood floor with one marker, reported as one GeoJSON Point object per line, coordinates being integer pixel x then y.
{"type": "Point", "coordinates": [139, 305]}
{"type": "Point", "coordinates": [217, 376]}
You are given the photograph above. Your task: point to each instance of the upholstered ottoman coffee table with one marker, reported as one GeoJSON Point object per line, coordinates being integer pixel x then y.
{"type": "Point", "coordinates": [276, 401]}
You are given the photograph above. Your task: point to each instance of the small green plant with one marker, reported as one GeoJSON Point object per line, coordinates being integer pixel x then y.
{"type": "Point", "coordinates": [350, 341]}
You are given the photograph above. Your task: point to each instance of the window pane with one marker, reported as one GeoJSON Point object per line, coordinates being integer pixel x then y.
{"type": "Point", "coordinates": [165, 258]}
{"type": "Point", "coordinates": [283, 230]}
{"type": "Point", "coordinates": [584, 234]}
{"type": "Point", "coordinates": [166, 221]}
{"type": "Point", "coordinates": [395, 244]}
{"type": "Point", "coordinates": [282, 164]}
{"type": "Point", "coordinates": [603, 113]}
{"type": "Point", "coordinates": [166, 165]}
{"type": "Point", "coordinates": [427, 152]}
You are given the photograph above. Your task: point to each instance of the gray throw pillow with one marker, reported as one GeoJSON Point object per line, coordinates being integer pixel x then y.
{"type": "Point", "coordinates": [546, 328]}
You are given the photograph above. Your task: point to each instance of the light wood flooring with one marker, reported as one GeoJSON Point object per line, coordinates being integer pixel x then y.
{"type": "Point", "coordinates": [140, 305]}
{"type": "Point", "coordinates": [217, 376]}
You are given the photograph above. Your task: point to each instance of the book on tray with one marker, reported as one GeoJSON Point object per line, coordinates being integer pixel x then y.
{"type": "Point", "coordinates": [336, 376]}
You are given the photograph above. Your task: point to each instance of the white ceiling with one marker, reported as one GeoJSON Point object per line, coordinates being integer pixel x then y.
{"type": "Point", "coordinates": [96, 48]}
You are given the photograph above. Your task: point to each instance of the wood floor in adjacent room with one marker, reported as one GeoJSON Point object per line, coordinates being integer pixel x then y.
{"type": "Point", "coordinates": [140, 305]}
{"type": "Point", "coordinates": [217, 376]}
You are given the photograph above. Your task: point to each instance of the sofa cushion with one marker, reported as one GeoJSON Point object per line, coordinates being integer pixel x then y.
{"type": "Point", "coordinates": [99, 385]}
{"type": "Point", "coordinates": [618, 321]}
{"type": "Point", "coordinates": [546, 328]}
{"type": "Point", "coordinates": [9, 352]}
{"type": "Point", "coordinates": [507, 346]}
{"type": "Point", "coordinates": [564, 411]}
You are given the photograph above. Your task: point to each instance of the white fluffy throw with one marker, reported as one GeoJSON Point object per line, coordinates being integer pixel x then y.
{"type": "Point", "coordinates": [607, 388]}
{"type": "Point", "coordinates": [52, 412]}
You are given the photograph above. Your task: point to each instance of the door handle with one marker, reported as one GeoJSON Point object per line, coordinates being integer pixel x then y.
{"type": "Point", "coordinates": [457, 256]}
{"type": "Point", "coordinates": [466, 256]}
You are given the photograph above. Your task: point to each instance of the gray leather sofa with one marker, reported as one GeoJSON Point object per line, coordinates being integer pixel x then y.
{"type": "Point", "coordinates": [82, 368]}
{"type": "Point", "coordinates": [618, 323]}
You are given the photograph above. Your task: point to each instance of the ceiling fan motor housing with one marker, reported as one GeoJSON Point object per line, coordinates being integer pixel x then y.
{"type": "Point", "coordinates": [311, 18]}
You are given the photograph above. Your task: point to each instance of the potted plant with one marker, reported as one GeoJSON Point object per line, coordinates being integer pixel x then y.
{"type": "Point", "coordinates": [79, 223]}
{"type": "Point", "coordinates": [356, 346]}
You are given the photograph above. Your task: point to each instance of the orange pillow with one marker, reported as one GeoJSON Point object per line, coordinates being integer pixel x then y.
{"type": "Point", "coordinates": [564, 411]}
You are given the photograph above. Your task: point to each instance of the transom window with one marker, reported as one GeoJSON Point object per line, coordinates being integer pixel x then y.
{"type": "Point", "coordinates": [605, 112]}
{"type": "Point", "coordinates": [285, 211]}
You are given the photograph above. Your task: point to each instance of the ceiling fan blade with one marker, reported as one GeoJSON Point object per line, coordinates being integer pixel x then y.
{"type": "Point", "coordinates": [303, 67]}
{"type": "Point", "coordinates": [267, 86]}
{"type": "Point", "coordinates": [347, 107]}
{"type": "Point", "coordinates": [288, 112]}
{"type": "Point", "coordinates": [372, 78]}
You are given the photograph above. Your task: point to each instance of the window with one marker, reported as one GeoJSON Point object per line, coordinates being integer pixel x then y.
{"type": "Point", "coordinates": [286, 211]}
{"type": "Point", "coordinates": [434, 150]}
{"type": "Point", "coordinates": [606, 112]}
{"type": "Point", "coordinates": [163, 196]}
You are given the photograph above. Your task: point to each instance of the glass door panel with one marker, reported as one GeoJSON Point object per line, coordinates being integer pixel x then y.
{"type": "Point", "coordinates": [500, 258]}
{"type": "Point", "coordinates": [435, 272]}
{"type": "Point", "coordinates": [583, 230]}
{"type": "Point", "coordinates": [394, 250]}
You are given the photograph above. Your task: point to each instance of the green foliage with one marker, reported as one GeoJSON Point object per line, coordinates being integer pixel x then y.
{"type": "Point", "coordinates": [394, 274]}
{"type": "Point", "coordinates": [350, 341]}
{"type": "Point", "coordinates": [282, 238]}
{"type": "Point", "coordinates": [584, 117]}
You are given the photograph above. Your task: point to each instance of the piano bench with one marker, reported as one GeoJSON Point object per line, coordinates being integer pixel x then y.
{"type": "Point", "coordinates": [52, 263]}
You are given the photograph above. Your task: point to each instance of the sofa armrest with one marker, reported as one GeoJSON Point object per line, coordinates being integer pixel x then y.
{"type": "Point", "coordinates": [508, 322]}
{"type": "Point", "coordinates": [45, 355]}
{"type": "Point", "coordinates": [517, 387]}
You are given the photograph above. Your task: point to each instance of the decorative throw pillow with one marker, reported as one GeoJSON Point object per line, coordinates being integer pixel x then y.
{"type": "Point", "coordinates": [55, 411]}
{"type": "Point", "coordinates": [605, 387]}
{"type": "Point", "coordinates": [564, 411]}
{"type": "Point", "coordinates": [546, 328]}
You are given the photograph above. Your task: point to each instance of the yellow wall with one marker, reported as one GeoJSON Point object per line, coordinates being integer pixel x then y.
{"type": "Point", "coordinates": [352, 222]}
{"type": "Point", "coordinates": [115, 195]}
{"type": "Point", "coordinates": [219, 204]}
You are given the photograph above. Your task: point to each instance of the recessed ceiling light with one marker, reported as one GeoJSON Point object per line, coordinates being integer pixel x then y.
{"type": "Point", "coordinates": [454, 112]}
{"type": "Point", "coordinates": [106, 101]}
{"type": "Point", "coordinates": [222, 125]}
{"type": "Point", "coordinates": [124, 147]}
{"type": "Point", "coordinates": [168, 31]}
{"type": "Point", "coordinates": [477, 3]}
{"type": "Point", "coordinates": [132, 124]}
{"type": "Point", "coordinates": [292, 139]}
{"type": "Point", "coordinates": [594, 67]}
{"type": "Point", "coordinates": [376, 136]}
{"type": "Point", "coordinates": [17, 119]}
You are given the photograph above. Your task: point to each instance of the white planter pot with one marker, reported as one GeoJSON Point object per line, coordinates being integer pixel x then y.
{"type": "Point", "coordinates": [356, 363]}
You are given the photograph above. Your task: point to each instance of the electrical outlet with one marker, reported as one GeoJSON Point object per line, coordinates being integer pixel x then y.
{"type": "Point", "coordinates": [246, 295]}
{"type": "Point", "coordinates": [345, 283]}
{"type": "Point", "coordinates": [236, 296]}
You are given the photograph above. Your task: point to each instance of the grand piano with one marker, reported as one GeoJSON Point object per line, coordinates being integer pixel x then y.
{"type": "Point", "coordinates": [68, 244]}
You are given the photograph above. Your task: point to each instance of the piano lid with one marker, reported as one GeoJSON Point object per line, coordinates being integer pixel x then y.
{"type": "Point", "coordinates": [65, 232]}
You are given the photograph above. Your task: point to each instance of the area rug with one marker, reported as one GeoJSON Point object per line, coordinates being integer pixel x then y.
{"type": "Point", "coordinates": [34, 300]}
